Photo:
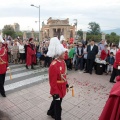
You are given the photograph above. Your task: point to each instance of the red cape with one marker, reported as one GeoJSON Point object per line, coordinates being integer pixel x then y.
{"type": "Point", "coordinates": [111, 110]}
{"type": "Point", "coordinates": [103, 55]}
{"type": "Point", "coordinates": [31, 56]}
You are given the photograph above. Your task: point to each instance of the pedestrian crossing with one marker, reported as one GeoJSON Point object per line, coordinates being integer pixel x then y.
{"type": "Point", "coordinates": [22, 77]}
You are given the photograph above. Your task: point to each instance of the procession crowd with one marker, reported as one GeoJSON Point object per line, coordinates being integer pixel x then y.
{"type": "Point", "coordinates": [77, 56]}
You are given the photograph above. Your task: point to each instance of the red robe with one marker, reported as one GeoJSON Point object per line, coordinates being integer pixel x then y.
{"type": "Point", "coordinates": [104, 55]}
{"type": "Point", "coordinates": [71, 40]}
{"type": "Point", "coordinates": [56, 69]}
{"type": "Point", "coordinates": [6, 47]}
{"type": "Point", "coordinates": [111, 110]}
{"type": "Point", "coordinates": [66, 53]}
{"type": "Point", "coordinates": [3, 61]}
{"type": "Point", "coordinates": [117, 60]}
{"type": "Point", "coordinates": [31, 55]}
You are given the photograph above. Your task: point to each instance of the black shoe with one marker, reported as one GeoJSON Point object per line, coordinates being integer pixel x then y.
{"type": "Point", "coordinates": [49, 114]}
{"type": "Point", "coordinates": [33, 68]}
{"type": "Point", "coordinates": [90, 73]}
{"type": "Point", "coordinates": [85, 71]}
{"type": "Point", "coordinates": [3, 94]}
{"type": "Point", "coordinates": [112, 82]}
{"type": "Point", "coordinates": [26, 67]}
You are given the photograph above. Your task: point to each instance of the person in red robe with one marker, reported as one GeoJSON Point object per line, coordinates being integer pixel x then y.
{"type": "Point", "coordinates": [57, 78]}
{"type": "Point", "coordinates": [116, 66]}
{"type": "Point", "coordinates": [111, 110]}
{"type": "Point", "coordinates": [31, 54]}
{"type": "Point", "coordinates": [3, 67]}
{"type": "Point", "coordinates": [71, 40]}
{"type": "Point", "coordinates": [104, 53]}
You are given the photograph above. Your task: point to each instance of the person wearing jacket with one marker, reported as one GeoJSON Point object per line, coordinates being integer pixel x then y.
{"type": "Point", "coordinates": [79, 57]}
{"type": "Point", "coordinates": [57, 77]}
{"type": "Point", "coordinates": [92, 51]}
{"type": "Point", "coordinates": [3, 68]}
{"type": "Point", "coordinates": [110, 61]}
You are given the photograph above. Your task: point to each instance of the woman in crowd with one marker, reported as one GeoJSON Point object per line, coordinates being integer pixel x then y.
{"type": "Point", "coordinates": [22, 52]}
{"type": "Point", "coordinates": [15, 50]}
{"type": "Point", "coordinates": [10, 58]}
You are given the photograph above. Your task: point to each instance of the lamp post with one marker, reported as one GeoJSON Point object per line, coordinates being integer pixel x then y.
{"type": "Point", "coordinates": [39, 18]}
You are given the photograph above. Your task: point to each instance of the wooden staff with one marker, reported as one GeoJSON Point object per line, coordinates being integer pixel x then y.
{"type": "Point", "coordinates": [10, 74]}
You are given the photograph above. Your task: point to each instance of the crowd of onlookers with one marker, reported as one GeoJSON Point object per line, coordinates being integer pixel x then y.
{"type": "Point", "coordinates": [76, 56]}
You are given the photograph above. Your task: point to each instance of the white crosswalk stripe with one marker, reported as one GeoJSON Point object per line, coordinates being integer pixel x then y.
{"type": "Point", "coordinates": [23, 76]}
{"type": "Point", "coordinates": [25, 73]}
{"type": "Point", "coordinates": [25, 82]}
{"type": "Point", "coordinates": [18, 69]}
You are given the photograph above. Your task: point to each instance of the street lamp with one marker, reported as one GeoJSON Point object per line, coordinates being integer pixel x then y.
{"type": "Point", "coordinates": [39, 18]}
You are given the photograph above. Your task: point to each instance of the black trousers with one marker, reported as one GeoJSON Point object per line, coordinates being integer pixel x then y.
{"type": "Point", "coordinates": [69, 65]}
{"type": "Point", "coordinates": [85, 64]}
{"type": "Point", "coordinates": [55, 109]}
{"type": "Point", "coordinates": [115, 73]}
{"type": "Point", "coordinates": [2, 81]}
{"type": "Point", "coordinates": [90, 64]}
{"type": "Point", "coordinates": [47, 61]}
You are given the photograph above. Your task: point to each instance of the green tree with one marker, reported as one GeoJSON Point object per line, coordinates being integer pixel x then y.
{"type": "Point", "coordinates": [113, 34]}
{"type": "Point", "coordinates": [112, 38]}
{"type": "Point", "coordinates": [80, 33]}
{"type": "Point", "coordinates": [94, 28]}
{"type": "Point", "coordinates": [8, 30]}
{"type": "Point", "coordinates": [20, 34]}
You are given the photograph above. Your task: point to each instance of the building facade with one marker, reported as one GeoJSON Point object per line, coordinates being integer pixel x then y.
{"type": "Point", "coordinates": [16, 27]}
{"type": "Point", "coordinates": [57, 27]}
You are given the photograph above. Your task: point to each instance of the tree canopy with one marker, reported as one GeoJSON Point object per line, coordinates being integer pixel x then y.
{"type": "Point", "coordinates": [94, 28]}
{"type": "Point", "coordinates": [8, 30]}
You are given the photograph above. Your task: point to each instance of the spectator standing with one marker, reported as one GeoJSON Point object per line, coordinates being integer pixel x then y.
{"type": "Point", "coordinates": [79, 58]}
{"type": "Point", "coordinates": [47, 58]}
{"type": "Point", "coordinates": [110, 61]}
{"type": "Point", "coordinates": [70, 54]}
{"type": "Point", "coordinates": [22, 52]}
{"type": "Point", "coordinates": [15, 50]}
{"type": "Point", "coordinates": [85, 58]}
{"type": "Point", "coordinates": [114, 50]}
{"type": "Point", "coordinates": [10, 59]}
{"type": "Point", "coordinates": [92, 51]}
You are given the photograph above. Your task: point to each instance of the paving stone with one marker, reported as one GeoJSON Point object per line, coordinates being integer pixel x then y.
{"type": "Point", "coordinates": [22, 116]}
{"type": "Point", "coordinates": [32, 103]}
{"type": "Point", "coordinates": [25, 105]}
{"type": "Point", "coordinates": [34, 112]}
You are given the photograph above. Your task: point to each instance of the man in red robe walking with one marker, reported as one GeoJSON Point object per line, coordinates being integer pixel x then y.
{"type": "Point", "coordinates": [31, 54]}
{"type": "Point", "coordinates": [57, 77]}
{"type": "Point", "coordinates": [3, 67]}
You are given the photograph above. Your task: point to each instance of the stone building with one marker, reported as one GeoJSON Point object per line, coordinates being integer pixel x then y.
{"type": "Point", "coordinates": [57, 27]}
{"type": "Point", "coordinates": [16, 27]}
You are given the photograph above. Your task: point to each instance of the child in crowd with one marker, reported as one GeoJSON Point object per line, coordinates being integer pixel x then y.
{"type": "Point", "coordinates": [110, 61]}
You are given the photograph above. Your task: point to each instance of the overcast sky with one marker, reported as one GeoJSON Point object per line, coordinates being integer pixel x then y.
{"type": "Point", "coordinates": [104, 12]}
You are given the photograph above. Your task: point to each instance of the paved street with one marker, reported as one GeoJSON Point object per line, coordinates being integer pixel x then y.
{"type": "Point", "coordinates": [28, 95]}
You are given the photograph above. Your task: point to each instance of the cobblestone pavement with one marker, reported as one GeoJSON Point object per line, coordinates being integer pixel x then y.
{"type": "Point", "coordinates": [32, 102]}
